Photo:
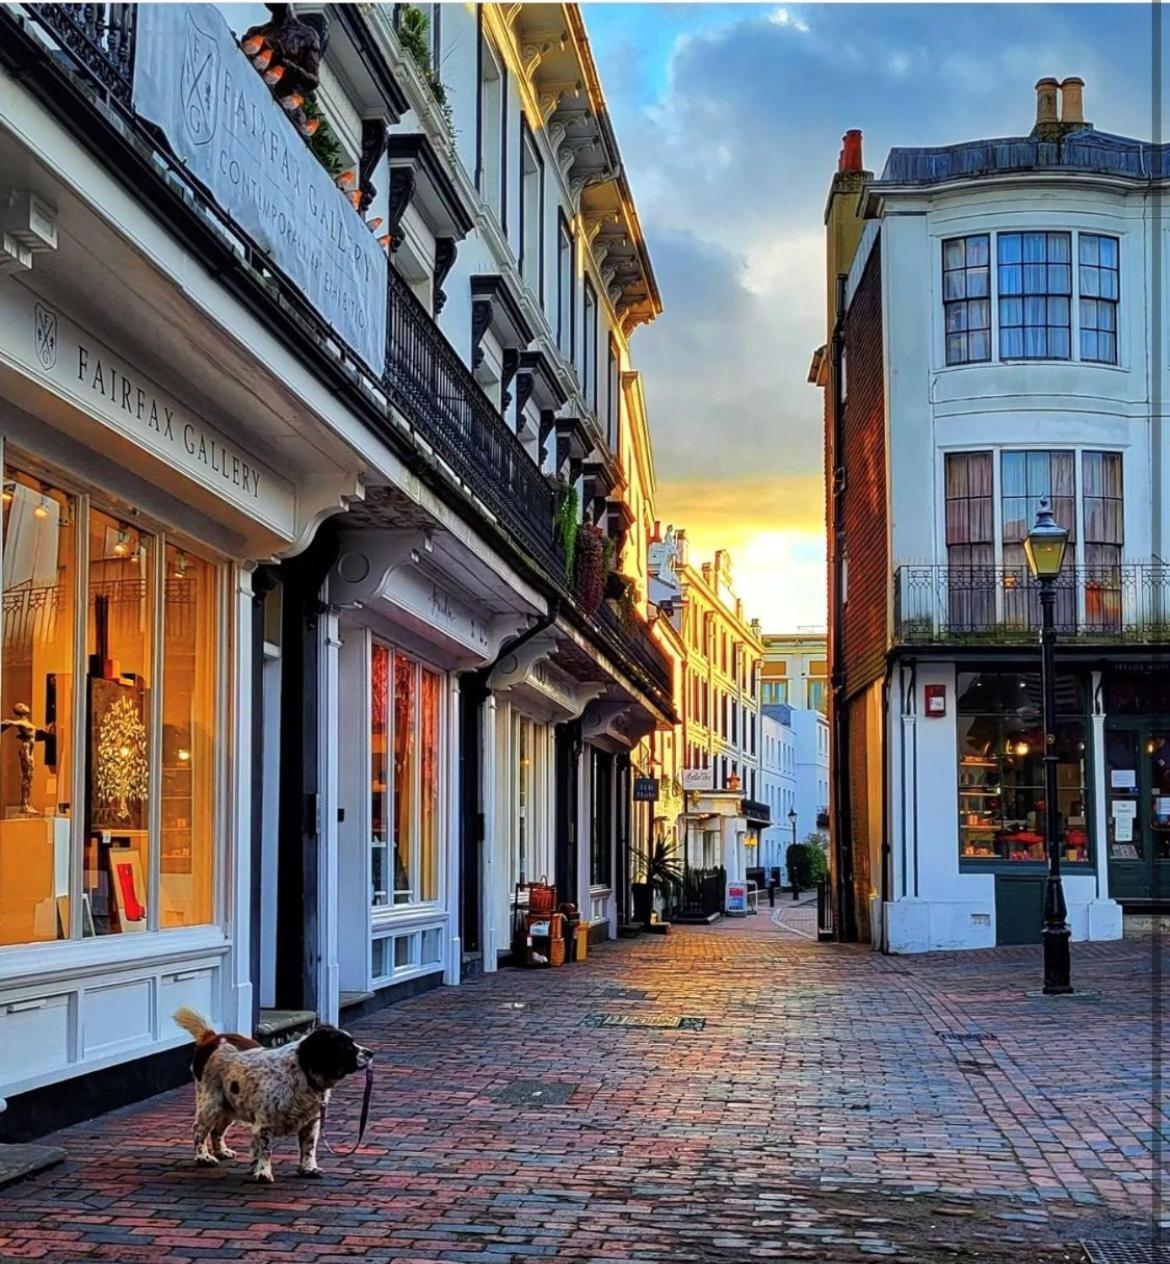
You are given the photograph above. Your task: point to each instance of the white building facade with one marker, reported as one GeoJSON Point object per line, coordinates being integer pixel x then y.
{"type": "Point", "coordinates": [1028, 367]}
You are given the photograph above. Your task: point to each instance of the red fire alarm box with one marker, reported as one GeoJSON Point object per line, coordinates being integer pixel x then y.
{"type": "Point", "coordinates": [936, 699]}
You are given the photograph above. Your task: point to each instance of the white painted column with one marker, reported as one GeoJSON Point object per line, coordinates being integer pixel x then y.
{"type": "Point", "coordinates": [329, 972]}
{"type": "Point", "coordinates": [487, 866]}
{"type": "Point", "coordinates": [453, 965]}
{"type": "Point", "coordinates": [237, 859]}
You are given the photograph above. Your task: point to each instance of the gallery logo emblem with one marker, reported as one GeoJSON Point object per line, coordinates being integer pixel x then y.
{"type": "Point", "coordinates": [45, 333]}
{"type": "Point", "coordinates": [198, 96]}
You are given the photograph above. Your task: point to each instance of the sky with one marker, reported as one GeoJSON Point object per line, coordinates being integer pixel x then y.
{"type": "Point", "coordinates": [730, 118]}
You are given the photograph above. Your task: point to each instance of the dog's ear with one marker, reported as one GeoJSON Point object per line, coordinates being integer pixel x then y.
{"type": "Point", "coordinates": [327, 1055]}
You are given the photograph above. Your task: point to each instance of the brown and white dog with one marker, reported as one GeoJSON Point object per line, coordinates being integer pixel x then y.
{"type": "Point", "coordinates": [278, 1091]}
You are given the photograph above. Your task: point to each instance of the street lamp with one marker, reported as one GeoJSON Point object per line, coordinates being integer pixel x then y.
{"type": "Point", "coordinates": [1044, 548]}
{"type": "Point", "coordinates": [794, 876]}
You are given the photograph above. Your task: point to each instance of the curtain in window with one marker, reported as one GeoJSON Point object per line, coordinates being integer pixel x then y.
{"type": "Point", "coordinates": [429, 705]}
{"type": "Point", "coordinates": [404, 776]}
{"type": "Point", "coordinates": [1104, 537]}
{"type": "Point", "coordinates": [1027, 477]}
{"type": "Point", "coordinates": [970, 541]}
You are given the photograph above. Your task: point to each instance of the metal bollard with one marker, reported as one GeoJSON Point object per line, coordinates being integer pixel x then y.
{"type": "Point", "coordinates": [771, 895]}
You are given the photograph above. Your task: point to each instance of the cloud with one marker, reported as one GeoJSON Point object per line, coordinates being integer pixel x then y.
{"type": "Point", "coordinates": [730, 119]}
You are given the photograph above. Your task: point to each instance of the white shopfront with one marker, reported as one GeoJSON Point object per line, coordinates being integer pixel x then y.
{"type": "Point", "coordinates": [129, 517]}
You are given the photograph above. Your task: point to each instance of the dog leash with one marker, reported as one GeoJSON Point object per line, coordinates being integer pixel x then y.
{"type": "Point", "coordinates": [344, 1154]}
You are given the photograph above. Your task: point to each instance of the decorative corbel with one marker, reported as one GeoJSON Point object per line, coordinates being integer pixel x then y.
{"type": "Point", "coordinates": [510, 365]}
{"type": "Point", "coordinates": [446, 249]}
{"type": "Point", "coordinates": [547, 423]}
{"type": "Point", "coordinates": [402, 183]}
{"type": "Point", "coordinates": [524, 385]}
{"type": "Point", "coordinates": [531, 55]}
{"type": "Point", "coordinates": [481, 318]}
{"type": "Point", "coordinates": [375, 134]}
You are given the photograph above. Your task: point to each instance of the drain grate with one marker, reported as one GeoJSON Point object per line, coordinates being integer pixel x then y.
{"type": "Point", "coordinates": [624, 994]}
{"type": "Point", "coordinates": [1127, 1252]}
{"type": "Point", "coordinates": [963, 1037]}
{"type": "Point", "coordinates": [666, 1021]}
{"type": "Point", "coordinates": [536, 1093]}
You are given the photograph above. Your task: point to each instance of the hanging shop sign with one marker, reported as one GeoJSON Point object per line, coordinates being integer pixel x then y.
{"type": "Point", "coordinates": [46, 345]}
{"type": "Point", "coordinates": [646, 789]}
{"type": "Point", "coordinates": [192, 80]}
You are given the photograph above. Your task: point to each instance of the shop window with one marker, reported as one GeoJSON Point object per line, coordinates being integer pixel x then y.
{"type": "Point", "coordinates": [601, 820]}
{"type": "Point", "coordinates": [190, 723]}
{"type": "Point", "coordinates": [406, 795]}
{"type": "Point", "coordinates": [1001, 768]}
{"type": "Point", "coordinates": [136, 740]}
{"type": "Point", "coordinates": [379, 781]}
{"type": "Point", "coordinates": [37, 751]}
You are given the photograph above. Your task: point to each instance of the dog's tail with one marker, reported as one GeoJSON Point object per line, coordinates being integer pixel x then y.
{"type": "Point", "coordinates": [194, 1024]}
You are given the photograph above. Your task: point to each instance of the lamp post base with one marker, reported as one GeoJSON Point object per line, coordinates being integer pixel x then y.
{"type": "Point", "coordinates": [1057, 966]}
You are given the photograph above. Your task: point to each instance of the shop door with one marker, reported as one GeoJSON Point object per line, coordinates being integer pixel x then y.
{"type": "Point", "coordinates": [1137, 796]}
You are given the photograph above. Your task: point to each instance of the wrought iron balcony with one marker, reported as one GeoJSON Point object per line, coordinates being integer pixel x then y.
{"type": "Point", "coordinates": [436, 391]}
{"type": "Point", "coordinates": [98, 37]}
{"type": "Point", "coordinates": [635, 644]}
{"type": "Point", "coordinates": [756, 812]}
{"type": "Point", "coordinates": [984, 605]}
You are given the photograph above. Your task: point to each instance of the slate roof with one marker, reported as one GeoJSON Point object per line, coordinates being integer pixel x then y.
{"type": "Point", "coordinates": [1085, 151]}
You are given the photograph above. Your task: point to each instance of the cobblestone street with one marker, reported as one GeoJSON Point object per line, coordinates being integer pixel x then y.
{"type": "Point", "coordinates": [822, 1103]}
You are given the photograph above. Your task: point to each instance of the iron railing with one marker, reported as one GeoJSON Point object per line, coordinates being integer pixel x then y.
{"type": "Point", "coordinates": [98, 37]}
{"type": "Point", "coordinates": [435, 390]}
{"type": "Point", "coordinates": [632, 638]}
{"type": "Point", "coordinates": [936, 604]}
{"type": "Point", "coordinates": [754, 810]}
{"type": "Point", "coordinates": [702, 891]}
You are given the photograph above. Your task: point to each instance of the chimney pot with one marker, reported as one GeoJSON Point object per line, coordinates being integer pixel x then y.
{"type": "Point", "coordinates": [1046, 100]}
{"type": "Point", "coordinates": [851, 150]}
{"type": "Point", "coordinates": [1072, 100]}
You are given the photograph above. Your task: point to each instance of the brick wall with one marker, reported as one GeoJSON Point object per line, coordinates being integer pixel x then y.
{"type": "Point", "coordinates": [863, 638]}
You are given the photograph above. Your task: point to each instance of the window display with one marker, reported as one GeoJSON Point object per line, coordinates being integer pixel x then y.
{"type": "Point", "coordinates": [405, 719]}
{"type": "Point", "coordinates": [143, 763]}
{"type": "Point", "coordinates": [1001, 768]}
{"type": "Point", "coordinates": [36, 702]}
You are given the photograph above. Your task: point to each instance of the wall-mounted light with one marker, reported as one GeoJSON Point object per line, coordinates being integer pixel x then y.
{"type": "Point", "coordinates": [122, 543]}
{"type": "Point", "coordinates": [181, 566]}
{"type": "Point", "coordinates": [42, 508]}
{"type": "Point", "coordinates": [184, 754]}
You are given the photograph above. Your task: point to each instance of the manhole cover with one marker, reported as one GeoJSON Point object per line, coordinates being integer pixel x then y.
{"type": "Point", "coordinates": [536, 1093]}
{"type": "Point", "coordinates": [1127, 1252]}
{"type": "Point", "coordinates": [645, 1020]}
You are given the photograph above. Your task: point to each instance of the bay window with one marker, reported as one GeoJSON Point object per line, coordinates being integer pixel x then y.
{"type": "Point", "coordinates": [1036, 293]}
{"type": "Point", "coordinates": [110, 702]}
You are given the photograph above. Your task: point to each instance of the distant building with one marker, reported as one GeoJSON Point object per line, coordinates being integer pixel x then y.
{"type": "Point", "coordinates": [796, 670]}
{"type": "Point", "coordinates": [778, 779]}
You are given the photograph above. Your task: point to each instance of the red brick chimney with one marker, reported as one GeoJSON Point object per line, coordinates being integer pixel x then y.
{"type": "Point", "coordinates": [850, 157]}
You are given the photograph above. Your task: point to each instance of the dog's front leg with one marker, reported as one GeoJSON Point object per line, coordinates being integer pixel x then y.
{"type": "Point", "coordinates": [262, 1155]}
{"type": "Point", "coordinates": [307, 1136]}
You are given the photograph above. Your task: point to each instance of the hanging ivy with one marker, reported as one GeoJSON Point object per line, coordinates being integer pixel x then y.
{"type": "Point", "coordinates": [566, 524]}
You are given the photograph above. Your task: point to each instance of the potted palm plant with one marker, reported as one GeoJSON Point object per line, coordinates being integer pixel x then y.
{"type": "Point", "coordinates": [661, 874]}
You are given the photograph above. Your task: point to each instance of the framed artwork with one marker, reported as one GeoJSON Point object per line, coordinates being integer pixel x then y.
{"type": "Point", "coordinates": [128, 888]}
{"type": "Point", "coordinates": [88, 931]}
{"type": "Point", "coordinates": [119, 755]}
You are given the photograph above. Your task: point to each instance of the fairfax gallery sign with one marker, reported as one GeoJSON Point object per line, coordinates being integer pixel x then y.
{"type": "Point", "coordinates": [46, 345]}
{"type": "Point", "coordinates": [193, 81]}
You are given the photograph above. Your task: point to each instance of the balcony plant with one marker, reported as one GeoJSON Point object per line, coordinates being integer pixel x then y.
{"type": "Point", "coordinates": [620, 590]}
{"type": "Point", "coordinates": [414, 31]}
{"type": "Point", "coordinates": [590, 566]}
{"type": "Point", "coordinates": [662, 875]}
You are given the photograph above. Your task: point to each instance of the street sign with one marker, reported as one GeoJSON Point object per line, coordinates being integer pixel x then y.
{"type": "Point", "coordinates": [645, 789]}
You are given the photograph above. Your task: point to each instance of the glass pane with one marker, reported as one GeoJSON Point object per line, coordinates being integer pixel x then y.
{"type": "Point", "coordinates": [379, 779]}
{"type": "Point", "coordinates": [429, 814]}
{"type": "Point", "coordinates": [404, 777]}
{"type": "Point", "coordinates": [1059, 248]}
{"type": "Point", "coordinates": [36, 702]}
{"type": "Point", "coordinates": [1088, 248]}
{"type": "Point", "coordinates": [953, 253]}
{"type": "Point", "coordinates": [1108, 249]}
{"type": "Point", "coordinates": [189, 683]}
{"type": "Point", "coordinates": [1158, 755]}
{"type": "Point", "coordinates": [1122, 793]}
{"type": "Point", "coordinates": [1009, 248]}
{"type": "Point", "coordinates": [118, 639]}
{"type": "Point", "coordinates": [978, 251]}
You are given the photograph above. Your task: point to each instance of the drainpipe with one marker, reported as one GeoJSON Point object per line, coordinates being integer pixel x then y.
{"type": "Point", "coordinates": [887, 850]}
{"type": "Point", "coordinates": [846, 919]}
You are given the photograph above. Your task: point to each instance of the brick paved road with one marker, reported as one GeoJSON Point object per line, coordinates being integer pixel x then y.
{"type": "Point", "coordinates": [836, 1106]}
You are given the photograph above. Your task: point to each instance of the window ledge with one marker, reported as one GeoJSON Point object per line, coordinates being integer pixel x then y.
{"type": "Point", "coordinates": [407, 915]}
{"type": "Point", "coordinates": [71, 959]}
